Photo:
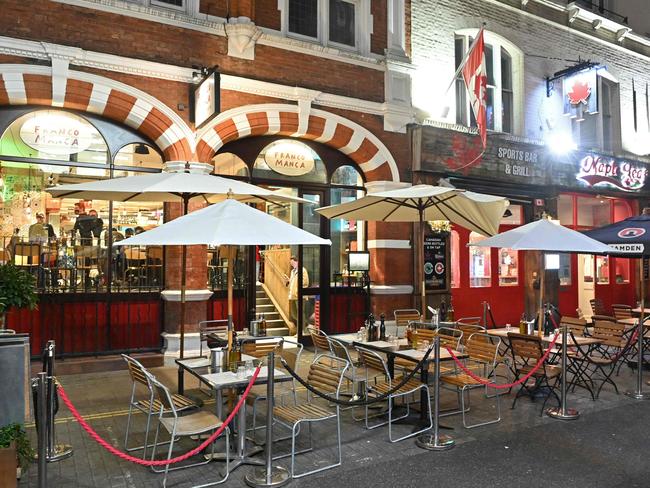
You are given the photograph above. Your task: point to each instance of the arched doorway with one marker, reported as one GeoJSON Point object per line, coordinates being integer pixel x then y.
{"type": "Point", "coordinates": [325, 294]}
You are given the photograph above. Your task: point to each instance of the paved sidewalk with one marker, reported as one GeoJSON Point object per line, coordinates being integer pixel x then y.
{"type": "Point", "coordinates": [606, 447]}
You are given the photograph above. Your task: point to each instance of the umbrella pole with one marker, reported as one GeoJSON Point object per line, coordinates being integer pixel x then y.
{"type": "Point", "coordinates": [230, 297]}
{"type": "Point", "coordinates": [421, 277]}
{"type": "Point", "coordinates": [638, 394]}
{"type": "Point", "coordinates": [186, 201]}
{"type": "Point", "coordinates": [540, 323]}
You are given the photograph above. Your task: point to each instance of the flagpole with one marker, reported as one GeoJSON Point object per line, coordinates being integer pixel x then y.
{"type": "Point", "coordinates": [464, 60]}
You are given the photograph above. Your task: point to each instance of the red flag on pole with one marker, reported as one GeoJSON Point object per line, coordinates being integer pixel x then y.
{"type": "Point", "coordinates": [475, 76]}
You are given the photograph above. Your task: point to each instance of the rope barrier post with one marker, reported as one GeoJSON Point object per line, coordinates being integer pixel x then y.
{"type": "Point", "coordinates": [435, 441]}
{"type": "Point", "coordinates": [269, 475]}
{"type": "Point", "coordinates": [562, 412]}
{"type": "Point", "coordinates": [42, 431]}
{"type": "Point", "coordinates": [55, 452]}
{"type": "Point", "coordinates": [638, 393]}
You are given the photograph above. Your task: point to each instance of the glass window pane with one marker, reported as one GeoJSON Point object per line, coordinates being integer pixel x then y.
{"type": "Point", "coordinates": [480, 270]}
{"type": "Point", "coordinates": [490, 108]}
{"type": "Point", "coordinates": [346, 175]}
{"type": "Point", "coordinates": [455, 259]}
{"type": "Point", "coordinates": [565, 210]}
{"type": "Point", "coordinates": [593, 212]}
{"type": "Point", "coordinates": [342, 26]}
{"type": "Point", "coordinates": [461, 103]}
{"type": "Point", "coordinates": [346, 235]}
{"type": "Point", "coordinates": [506, 111]}
{"type": "Point", "coordinates": [489, 64]}
{"type": "Point", "coordinates": [565, 270]}
{"type": "Point", "coordinates": [303, 17]}
{"type": "Point", "coordinates": [506, 70]}
{"type": "Point", "coordinates": [602, 270]}
{"type": "Point", "coordinates": [138, 155]}
{"type": "Point", "coordinates": [459, 51]}
{"type": "Point", "coordinates": [228, 164]}
{"type": "Point", "coordinates": [508, 267]}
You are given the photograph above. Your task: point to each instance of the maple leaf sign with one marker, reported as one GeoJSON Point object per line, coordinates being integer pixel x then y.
{"type": "Point", "coordinates": [580, 92]}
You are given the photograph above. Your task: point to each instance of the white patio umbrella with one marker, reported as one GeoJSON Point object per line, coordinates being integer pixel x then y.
{"type": "Point", "coordinates": [183, 182]}
{"type": "Point", "coordinates": [227, 223]}
{"type": "Point", "coordinates": [546, 236]}
{"type": "Point", "coordinates": [422, 203]}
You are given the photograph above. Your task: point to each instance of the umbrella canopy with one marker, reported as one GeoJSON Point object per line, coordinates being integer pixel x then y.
{"type": "Point", "coordinates": [628, 238]}
{"type": "Point", "coordinates": [169, 187]}
{"type": "Point", "coordinates": [544, 235]}
{"type": "Point", "coordinates": [474, 211]}
{"type": "Point", "coordinates": [227, 223]}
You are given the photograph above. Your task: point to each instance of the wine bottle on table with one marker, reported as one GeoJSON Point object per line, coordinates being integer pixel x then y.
{"type": "Point", "coordinates": [382, 327]}
{"type": "Point", "coordinates": [450, 311]}
{"type": "Point", "coordinates": [442, 313]}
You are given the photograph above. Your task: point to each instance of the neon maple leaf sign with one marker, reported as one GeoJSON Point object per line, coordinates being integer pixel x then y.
{"type": "Point", "coordinates": [579, 93]}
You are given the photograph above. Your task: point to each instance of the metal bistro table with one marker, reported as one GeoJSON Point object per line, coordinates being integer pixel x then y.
{"type": "Point", "coordinates": [218, 381]}
{"type": "Point", "coordinates": [402, 350]}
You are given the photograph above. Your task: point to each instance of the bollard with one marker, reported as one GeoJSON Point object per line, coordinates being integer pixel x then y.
{"type": "Point", "coordinates": [562, 412]}
{"type": "Point", "coordinates": [55, 452]}
{"type": "Point", "coordinates": [42, 431]}
{"type": "Point", "coordinates": [435, 441]}
{"type": "Point", "coordinates": [638, 393]}
{"type": "Point", "coordinates": [268, 475]}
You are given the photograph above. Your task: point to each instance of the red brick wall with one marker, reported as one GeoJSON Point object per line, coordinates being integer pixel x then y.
{"type": "Point", "coordinates": [214, 7]}
{"type": "Point", "coordinates": [379, 37]}
{"type": "Point", "coordinates": [267, 14]}
{"type": "Point", "coordinates": [43, 20]}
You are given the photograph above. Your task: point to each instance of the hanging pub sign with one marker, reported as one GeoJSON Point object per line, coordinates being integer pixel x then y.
{"type": "Point", "coordinates": [207, 99]}
{"type": "Point", "coordinates": [290, 158]}
{"type": "Point", "coordinates": [435, 261]}
{"type": "Point", "coordinates": [57, 133]}
{"type": "Point", "coordinates": [603, 171]}
{"type": "Point", "coordinates": [581, 93]}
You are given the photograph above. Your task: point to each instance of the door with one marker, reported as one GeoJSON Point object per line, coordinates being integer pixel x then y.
{"type": "Point", "coordinates": [586, 290]}
{"type": "Point", "coordinates": [314, 280]}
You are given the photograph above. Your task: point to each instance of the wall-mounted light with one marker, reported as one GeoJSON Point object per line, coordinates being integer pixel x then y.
{"type": "Point", "coordinates": [560, 143]}
{"type": "Point", "coordinates": [141, 149]}
{"type": "Point", "coordinates": [622, 33]}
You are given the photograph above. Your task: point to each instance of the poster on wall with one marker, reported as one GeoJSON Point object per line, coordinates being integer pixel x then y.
{"type": "Point", "coordinates": [207, 99]}
{"type": "Point", "coordinates": [435, 262]}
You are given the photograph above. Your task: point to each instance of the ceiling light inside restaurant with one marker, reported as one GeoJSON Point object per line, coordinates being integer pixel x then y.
{"type": "Point", "coordinates": [141, 149]}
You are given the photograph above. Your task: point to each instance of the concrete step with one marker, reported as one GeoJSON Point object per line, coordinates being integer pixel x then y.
{"type": "Point", "coordinates": [264, 305]}
{"type": "Point", "coordinates": [271, 315]}
{"type": "Point", "coordinates": [260, 294]}
{"type": "Point", "coordinates": [277, 332]}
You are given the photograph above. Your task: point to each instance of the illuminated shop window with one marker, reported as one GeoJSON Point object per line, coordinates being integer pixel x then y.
{"type": "Point", "coordinates": [480, 274]}
{"type": "Point", "coordinates": [508, 267]}
{"type": "Point", "coordinates": [565, 270]}
{"type": "Point", "coordinates": [602, 270]}
{"type": "Point", "coordinates": [455, 259]}
{"type": "Point", "coordinates": [228, 164]}
{"type": "Point", "coordinates": [622, 270]}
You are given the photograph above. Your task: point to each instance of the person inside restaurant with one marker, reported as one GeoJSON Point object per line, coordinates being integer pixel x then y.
{"type": "Point", "coordinates": [292, 284]}
{"type": "Point", "coordinates": [41, 231]}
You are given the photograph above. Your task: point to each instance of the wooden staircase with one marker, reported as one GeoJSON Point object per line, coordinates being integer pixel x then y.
{"type": "Point", "coordinates": [275, 324]}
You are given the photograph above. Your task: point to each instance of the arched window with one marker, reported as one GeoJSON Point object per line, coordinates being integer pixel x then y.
{"type": "Point", "coordinates": [503, 62]}
{"type": "Point", "coordinates": [228, 164]}
{"type": "Point", "coordinates": [346, 175]}
{"type": "Point", "coordinates": [138, 155]}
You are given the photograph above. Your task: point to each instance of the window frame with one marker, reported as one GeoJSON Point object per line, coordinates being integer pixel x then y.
{"type": "Point", "coordinates": [362, 26]}
{"type": "Point", "coordinates": [498, 45]}
{"type": "Point", "coordinates": [162, 4]}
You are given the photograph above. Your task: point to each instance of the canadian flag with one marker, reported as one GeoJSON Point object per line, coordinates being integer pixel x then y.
{"type": "Point", "coordinates": [475, 76]}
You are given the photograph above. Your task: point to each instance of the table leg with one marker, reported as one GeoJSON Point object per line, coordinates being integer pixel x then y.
{"type": "Point", "coordinates": [181, 381]}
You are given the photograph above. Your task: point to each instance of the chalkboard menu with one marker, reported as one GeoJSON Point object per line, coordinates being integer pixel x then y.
{"type": "Point", "coordinates": [435, 261]}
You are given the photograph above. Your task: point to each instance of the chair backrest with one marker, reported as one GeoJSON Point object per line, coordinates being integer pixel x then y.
{"type": "Point", "coordinates": [26, 254]}
{"type": "Point", "coordinates": [467, 330]}
{"type": "Point", "coordinates": [206, 327]}
{"type": "Point", "coordinates": [319, 338]}
{"type": "Point", "coordinates": [404, 316]}
{"type": "Point", "coordinates": [482, 348]}
{"type": "Point", "coordinates": [259, 347]}
{"type": "Point", "coordinates": [292, 354]}
{"type": "Point", "coordinates": [609, 332]}
{"type": "Point", "coordinates": [135, 253]}
{"type": "Point", "coordinates": [138, 373]}
{"type": "Point", "coordinates": [326, 373]}
{"type": "Point", "coordinates": [606, 318]}
{"type": "Point", "coordinates": [371, 360]}
{"type": "Point", "coordinates": [155, 254]}
{"type": "Point", "coordinates": [164, 396]}
{"type": "Point", "coordinates": [339, 349]}
{"type": "Point", "coordinates": [574, 324]}
{"type": "Point", "coordinates": [526, 347]}
{"type": "Point", "coordinates": [470, 321]}
{"type": "Point", "coordinates": [621, 311]}
{"type": "Point", "coordinates": [597, 307]}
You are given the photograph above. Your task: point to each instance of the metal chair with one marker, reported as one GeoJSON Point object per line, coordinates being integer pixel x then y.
{"type": "Point", "coordinates": [259, 347]}
{"type": "Point", "coordinates": [207, 327]}
{"type": "Point", "coordinates": [482, 352]}
{"type": "Point", "coordinates": [621, 311]}
{"type": "Point", "coordinates": [373, 361]}
{"type": "Point", "coordinates": [319, 339]}
{"type": "Point", "coordinates": [148, 406]}
{"type": "Point", "coordinates": [404, 317]}
{"type": "Point", "coordinates": [193, 424]}
{"type": "Point", "coordinates": [576, 325]}
{"type": "Point", "coordinates": [526, 352]}
{"type": "Point", "coordinates": [353, 376]}
{"type": "Point", "coordinates": [325, 373]}
{"type": "Point", "coordinates": [597, 307]}
{"type": "Point", "coordinates": [470, 321]}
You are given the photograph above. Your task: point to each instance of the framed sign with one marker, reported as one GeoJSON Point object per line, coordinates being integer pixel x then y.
{"type": "Point", "coordinates": [358, 261]}
{"type": "Point", "coordinates": [435, 262]}
{"type": "Point", "coordinates": [206, 99]}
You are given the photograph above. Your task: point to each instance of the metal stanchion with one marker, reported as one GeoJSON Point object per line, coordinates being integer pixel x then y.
{"type": "Point", "coordinates": [269, 475]}
{"type": "Point", "coordinates": [638, 393]}
{"type": "Point", "coordinates": [562, 412]}
{"type": "Point", "coordinates": [42, 431]}
{"type": "Point", "coordinates": [435, 441]}
{"type": "Point", "coordinates": [55, 452]}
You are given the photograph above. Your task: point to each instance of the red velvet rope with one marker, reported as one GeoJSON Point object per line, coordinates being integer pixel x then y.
{"type": "Point", "coordinates": [509, 385]}
{"type": "Point", "coordinates": [162, 462]}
